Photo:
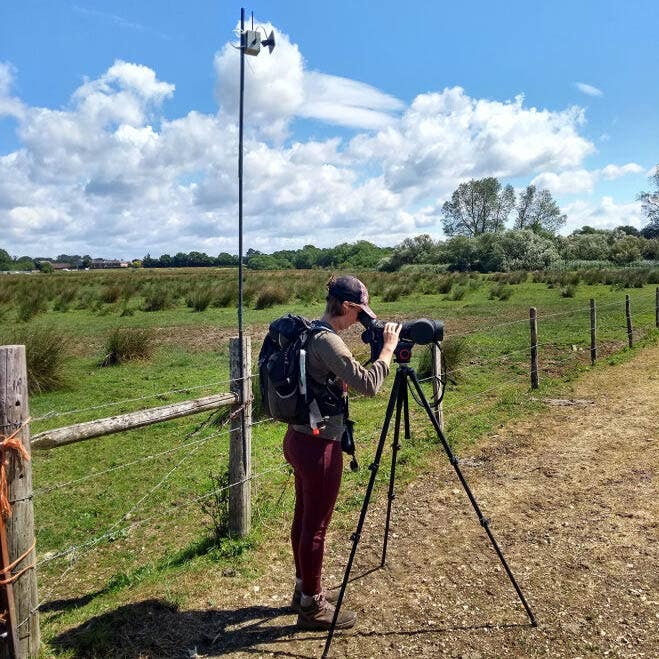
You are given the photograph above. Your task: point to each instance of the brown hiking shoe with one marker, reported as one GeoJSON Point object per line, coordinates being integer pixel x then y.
{"type": "Point", "coordinates": [320, 613]}
{"type": "Point", "coordinates": [331, 596]}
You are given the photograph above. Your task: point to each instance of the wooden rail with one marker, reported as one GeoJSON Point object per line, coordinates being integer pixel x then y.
{"type": "Point", "coordinates": [121, 422]}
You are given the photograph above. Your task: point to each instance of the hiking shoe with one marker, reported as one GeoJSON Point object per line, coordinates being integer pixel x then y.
{"type": "Point", "coordinates": [320, 613]}
{"type": "Point", "coordinates": [331, 596]}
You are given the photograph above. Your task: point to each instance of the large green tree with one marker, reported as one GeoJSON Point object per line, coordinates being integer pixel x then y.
{"type": "Point", "coordinates": [650, 205]}
{"type": "Point", "coordinates": [477, 207]}
{"type": "Point", "coordinates": [537, 211]}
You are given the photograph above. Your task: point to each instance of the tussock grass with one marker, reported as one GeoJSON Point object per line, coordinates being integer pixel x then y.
{"type": "Point", "coordinates": [501, 291]}
{"type": "Point", "coordinates": [123, 345]}
{"type": "Point", "coordinates": [65, 299]}
{"type": "Point", "coordinates": [272, 295]}
{"type": "Point", "coordinates": [111, 294]}
{"type": "Point", "coordinates": [31, 303]}
{"type": "Point", "coordinates": [200, 298]}
{"type": "Point", "coordinates": [157, 298]}
{"type": "Point", "coordinates": [457, 294]}
{"type": "Point", "coordinates": [226, 296]}
{"type": "Point", "coordinates": [46, 353]}
{"type": "Point", "coordinates": [445, 285]}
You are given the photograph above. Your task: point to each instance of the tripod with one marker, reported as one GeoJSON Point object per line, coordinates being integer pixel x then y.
{"type": "Point", "coordinates": [399, 400]}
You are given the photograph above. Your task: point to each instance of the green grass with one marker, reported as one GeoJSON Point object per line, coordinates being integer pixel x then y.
{"type": "Point", "coordinates": [171, 553]}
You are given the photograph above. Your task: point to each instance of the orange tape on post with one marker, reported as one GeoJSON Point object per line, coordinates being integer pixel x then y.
{"type": "Point", "coordinates": [9, 443]}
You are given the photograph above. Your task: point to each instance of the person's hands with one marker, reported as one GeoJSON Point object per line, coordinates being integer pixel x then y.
{"type": "Point", "coordinates": [390, 334]}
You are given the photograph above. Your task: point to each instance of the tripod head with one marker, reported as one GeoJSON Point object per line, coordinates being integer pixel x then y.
{"type": "Point", "coordinates": [403, 352]}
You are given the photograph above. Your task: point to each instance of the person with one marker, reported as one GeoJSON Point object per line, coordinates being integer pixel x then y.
{"type": "Point", "coordinates": [315, 453]}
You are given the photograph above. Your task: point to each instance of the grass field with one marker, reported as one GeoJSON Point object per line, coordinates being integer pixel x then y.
{"type": "Point", "coordinates": [123, 511]}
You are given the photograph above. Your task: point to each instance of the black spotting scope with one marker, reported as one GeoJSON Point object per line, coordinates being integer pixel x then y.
{"type": "Point", "coordinates": [421, 331]}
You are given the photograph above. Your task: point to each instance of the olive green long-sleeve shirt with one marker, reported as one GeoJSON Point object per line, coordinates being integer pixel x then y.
{"type": "Point", "coordinates": [327, 356]}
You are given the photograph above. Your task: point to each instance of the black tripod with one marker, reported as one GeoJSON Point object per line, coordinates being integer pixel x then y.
{"type": "Point", "coordinates": [399, 399]}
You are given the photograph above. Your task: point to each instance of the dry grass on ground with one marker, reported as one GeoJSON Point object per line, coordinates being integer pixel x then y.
{"type": "Point", "coordinates": [572, 496]}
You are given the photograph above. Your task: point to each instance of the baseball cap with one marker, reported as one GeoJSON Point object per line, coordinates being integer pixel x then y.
{"type": "Point", "coordinates": [350, 289]}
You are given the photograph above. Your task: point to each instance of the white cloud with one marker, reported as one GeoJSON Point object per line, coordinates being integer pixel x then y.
{"type": "Point", "coordinates": [604, 214]}
{"type": "Point", "coordinates": [279, 87]}
{"type": "Point", "coordinates": [588, 89]}
{"type": "Point", "coordinates": [611, 172]}
{"type": "Point", "coordinates": [447, 136]}
{"type": "Point", "coordinates": [109, 175]}
{"type": "Point", "coordinates": [10, 106]}
{"type": "Point", "coordinates": [567, 182]}
{"type": "Point", "coordinates": [582, 180]}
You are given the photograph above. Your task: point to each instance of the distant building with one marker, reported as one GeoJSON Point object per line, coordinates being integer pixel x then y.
{"type": "Point", "coordinates": [105, 264]}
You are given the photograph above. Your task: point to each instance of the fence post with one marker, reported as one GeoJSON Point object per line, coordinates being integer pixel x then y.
{"type": "Point", "coordinates": [534, 347]}
{"type": "Point", "coordinates": [14, 413]}
{"type": "Point", "coordinates": [240, 448]}
{"type": "Point", "coordinates": [437, 383]}
{"type": "Point", "coordinates": [656, 307]}
{"type": "Point", "coordinates": [628, 313]}
{"type": "Point", "coordinates": [593, 331]}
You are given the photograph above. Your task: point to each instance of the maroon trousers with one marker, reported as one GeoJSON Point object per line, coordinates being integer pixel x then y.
{"type": "Point", "coordinates": [317, 464]}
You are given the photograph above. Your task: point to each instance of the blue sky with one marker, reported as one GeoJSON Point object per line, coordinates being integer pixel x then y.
{"type": "Point", "coordinates": [118, 119]}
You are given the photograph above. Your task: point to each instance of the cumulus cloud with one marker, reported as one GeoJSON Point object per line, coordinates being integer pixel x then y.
{"type": "Point", "coordinates": [581, 180]}
{"type": "Point", "coordinates": [110, 174]}
{"type": "Point", "coordinates": [611, 172]}
{"type": "Point", "coordinates": [10, 106]}
{"type": "Point", "coordinates": [279, 87]}
{"type": "Point", "coordinates": [447, 136]}
{"type": "Point", "coordinates": [588, 89]}
{"type": "Point", "coordinates": [603, 214]}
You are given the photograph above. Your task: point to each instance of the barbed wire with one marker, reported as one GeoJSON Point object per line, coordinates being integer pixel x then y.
{"type": "Point", "coordinates": [147, 458]}
{"type": "Point", "coordinates": [91, 544]}
{"type": "Point", "coordinates": [88, 546]}
{"type": "Point", "coordinates": [113, 531]}
{"type": "Point", "coordinates": [254, 374]}
{"type": "Point", "coordinates": [53, 415]}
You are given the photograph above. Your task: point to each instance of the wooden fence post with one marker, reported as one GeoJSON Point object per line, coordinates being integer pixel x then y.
{"type": "Point", "coordinates": [437, 383]}
{"type": "Point", "coordinates": [533, 317]}
{"type": "Point", "coordinates": [593, 331]}
{"type": "Point", "coordinates": [628, 313]}
{"type": "Point", "coordinates": [240, 449]}
{"type": "Point", "coordinates": [14, 413]}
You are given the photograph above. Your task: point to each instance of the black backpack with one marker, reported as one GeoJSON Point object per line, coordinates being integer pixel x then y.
{"type": "Point", "coordinates": [287, 396]}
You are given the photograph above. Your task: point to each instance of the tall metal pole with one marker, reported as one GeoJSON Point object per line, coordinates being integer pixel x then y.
{"type": "Point", "coordinates": [241, 341]}
{"type": "Point", "coordinates": [240, 177]}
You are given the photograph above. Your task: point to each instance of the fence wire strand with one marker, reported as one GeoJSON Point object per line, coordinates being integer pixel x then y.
{"type": "Point", "coordinates": [76, 552]}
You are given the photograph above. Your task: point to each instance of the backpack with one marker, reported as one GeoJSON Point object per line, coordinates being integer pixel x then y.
{"type": "Point", "coordinates": [288, 394]}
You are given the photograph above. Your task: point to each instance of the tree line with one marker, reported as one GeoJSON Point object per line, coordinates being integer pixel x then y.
{"type": "Point", "coordinates": [474, 219]}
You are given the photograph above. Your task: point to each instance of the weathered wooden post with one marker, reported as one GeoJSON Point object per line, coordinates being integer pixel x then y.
{"type": "Point", "coordinates": [628, 313]}
{"type": "Point", "coordinates": [437, 382]}
{"type": "Point", "coordinates": [240, 448]}
{"type": "Point", "coordinates": [593, 332]}
{"type": "Point", "coordinates": [533, 318]}
{"type": "Point", "coordinates": [21, 579]}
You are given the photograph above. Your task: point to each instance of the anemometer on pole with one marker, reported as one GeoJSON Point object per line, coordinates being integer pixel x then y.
{"type": "Point", "coordinates": [250, 44]}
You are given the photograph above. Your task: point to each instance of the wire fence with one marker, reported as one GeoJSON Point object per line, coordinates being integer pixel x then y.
{"type": "Point", "coordinates": [615, 331]}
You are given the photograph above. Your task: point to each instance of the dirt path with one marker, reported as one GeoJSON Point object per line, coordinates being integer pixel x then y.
{"type": "Point", "coordinates": [572, 495]}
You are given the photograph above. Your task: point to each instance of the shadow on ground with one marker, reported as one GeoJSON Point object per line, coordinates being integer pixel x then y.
{"type": "Point", "coordinates": [155, 628]}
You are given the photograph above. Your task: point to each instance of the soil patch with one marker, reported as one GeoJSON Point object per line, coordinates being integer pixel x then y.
{"type": "Point", "coordinates": [572, 495]}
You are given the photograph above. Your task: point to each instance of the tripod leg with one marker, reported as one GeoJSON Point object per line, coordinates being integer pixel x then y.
{"type": "Point", "coordinates": [399, 382]}
{"type": "Point", "coordinates": [402, 401]}
{"type": "Point", "coordinates": [485, 523]}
